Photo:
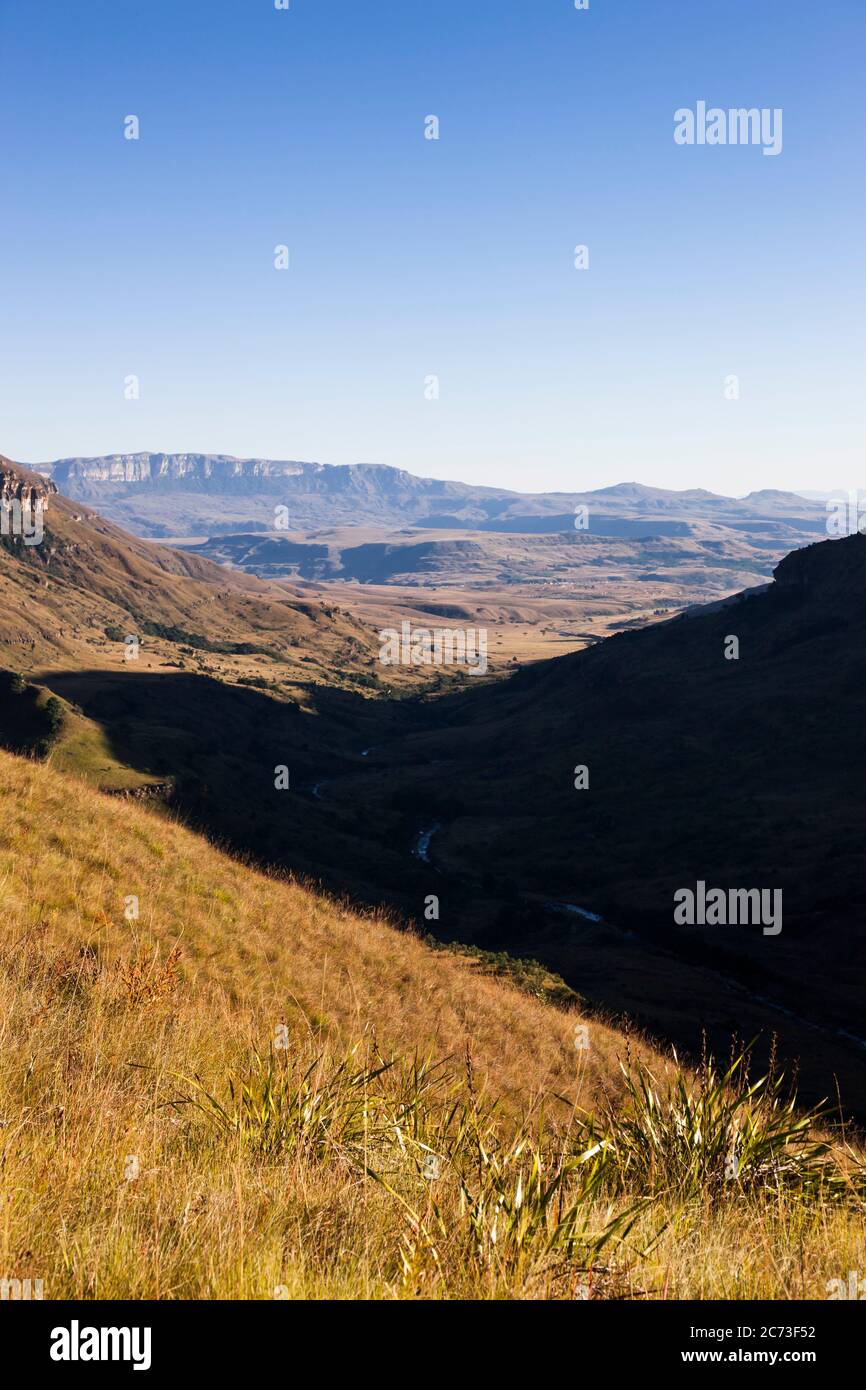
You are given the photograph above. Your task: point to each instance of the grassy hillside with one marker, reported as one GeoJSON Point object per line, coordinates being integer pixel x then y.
{"type": "Point", "coordinates": [159, 1141]}
{"type": "Point", "coordinates": [72, 600]}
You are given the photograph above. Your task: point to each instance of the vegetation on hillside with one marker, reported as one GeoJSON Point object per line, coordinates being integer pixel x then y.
{"type": "Point", "coordinates": [215, 1083]}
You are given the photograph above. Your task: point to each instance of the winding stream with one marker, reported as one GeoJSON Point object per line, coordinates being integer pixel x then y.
{"type": "Point", "coordinates": [577, 911]}
{"type": "Point", "coordinates": [422, 843]}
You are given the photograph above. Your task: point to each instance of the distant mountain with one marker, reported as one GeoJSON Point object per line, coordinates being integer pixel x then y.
{"type": "Point", "coordinates": [175, 495]}
{"type": "Point", "coordinates": [181, 494]}
{"type": "Point", "coordinates": [651, 572]}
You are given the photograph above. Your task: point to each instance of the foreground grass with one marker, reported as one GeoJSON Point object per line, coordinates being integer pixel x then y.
{"type": "Point", "coordinates": [233, 1095]}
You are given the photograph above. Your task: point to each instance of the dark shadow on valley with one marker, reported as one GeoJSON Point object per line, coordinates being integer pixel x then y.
{"type": "Point", "coordinates": [249, 770]}
{"type": "Point", "coordinates": [367, 778]}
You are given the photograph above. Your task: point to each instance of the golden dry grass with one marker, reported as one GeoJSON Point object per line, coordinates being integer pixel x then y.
{"type": "Point", "coordinates": [257, 951]}
{"type": "Point", "coordinates": [108, 1190]}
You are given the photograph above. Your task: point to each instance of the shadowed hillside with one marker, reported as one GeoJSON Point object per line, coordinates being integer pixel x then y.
{"type": "Point", "coordinates": [743, 773]}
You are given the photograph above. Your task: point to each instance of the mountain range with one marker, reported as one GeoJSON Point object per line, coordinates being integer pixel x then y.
{"type": "Point", "coordinates": [161, 495]}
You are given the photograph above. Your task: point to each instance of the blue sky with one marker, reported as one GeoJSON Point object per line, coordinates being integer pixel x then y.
{"type": "Point", "coordinates": [411, 258]}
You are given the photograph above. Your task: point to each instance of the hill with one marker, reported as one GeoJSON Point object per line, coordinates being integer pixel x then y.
{"type": "Point", "coordinates": [194, 1103]}
{"type": "Point", "coordinates": [563, 562]}
{"type": "Point", "coordinates": [78, 593]}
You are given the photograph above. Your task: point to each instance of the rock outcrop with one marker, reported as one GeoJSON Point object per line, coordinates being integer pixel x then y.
{"type": "Point", "coordinates": [22, 485]}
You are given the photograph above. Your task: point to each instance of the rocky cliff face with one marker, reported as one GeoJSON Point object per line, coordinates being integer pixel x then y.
{"type": "Point", "coordinates": [19, 484]}
{"type": "Point", "coordinates": [80, 477]}
{"type": "Point", "coordinates": [76, 475]}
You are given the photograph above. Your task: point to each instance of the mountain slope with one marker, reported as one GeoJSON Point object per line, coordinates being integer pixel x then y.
{"type": "Point", "coordinates": [133, 957]}
{"type": "Point", "coordinates": [263, 948]}
{"type": "Point", "coordinates": [743, 774]}
{"type": "Point", "coordinates": [58, 597]}
{"type": "Point", "coordinates": [193, 1103]}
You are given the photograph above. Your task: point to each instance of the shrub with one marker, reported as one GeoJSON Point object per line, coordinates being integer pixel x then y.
{"type": "Point", "coordinates": [715, 1136]}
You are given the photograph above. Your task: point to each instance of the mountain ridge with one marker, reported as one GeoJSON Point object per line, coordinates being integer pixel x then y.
{"type": "Point", "coordinates": [136, 489]}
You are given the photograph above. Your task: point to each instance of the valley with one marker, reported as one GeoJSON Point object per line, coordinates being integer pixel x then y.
{"type": "Point", "coordinates": [254, 872]}
{"type": "Point", "coordinates": [410, 781]}
{"type": "Point", "coordinates": [544, 573]}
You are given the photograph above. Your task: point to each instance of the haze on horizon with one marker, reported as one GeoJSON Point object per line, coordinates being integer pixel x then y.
{"type": "Point", "coordinates": [413, 258]}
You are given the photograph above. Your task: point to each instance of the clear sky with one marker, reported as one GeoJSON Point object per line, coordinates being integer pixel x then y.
{"type": "Point", "coordinates": [411, 258]}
